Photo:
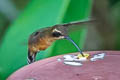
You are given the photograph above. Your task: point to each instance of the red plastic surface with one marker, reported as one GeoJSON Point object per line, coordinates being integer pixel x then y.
{"type": "Point", "coordinates": [51, 69]}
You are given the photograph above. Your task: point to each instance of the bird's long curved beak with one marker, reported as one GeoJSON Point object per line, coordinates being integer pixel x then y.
{"type": "Point", "coordinates": [68, 38]}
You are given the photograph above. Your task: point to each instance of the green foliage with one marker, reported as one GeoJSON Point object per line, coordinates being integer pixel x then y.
{"type": "Point", "coordinates": [115, 16]}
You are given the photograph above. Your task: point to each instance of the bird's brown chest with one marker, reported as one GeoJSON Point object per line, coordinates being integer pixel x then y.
{"type": "Point", "coordinates": [44, 43]}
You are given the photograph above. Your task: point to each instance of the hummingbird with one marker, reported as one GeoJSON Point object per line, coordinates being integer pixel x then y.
{"type": "Point", "coordinates": [41, 39]}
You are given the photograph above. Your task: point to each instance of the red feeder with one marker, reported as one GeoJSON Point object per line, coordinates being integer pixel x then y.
{"type": "Point", "coordinates": [52, 69]}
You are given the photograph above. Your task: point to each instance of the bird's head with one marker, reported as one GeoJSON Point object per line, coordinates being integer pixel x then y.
{"type": "Point", "coordinates": [59, 32]}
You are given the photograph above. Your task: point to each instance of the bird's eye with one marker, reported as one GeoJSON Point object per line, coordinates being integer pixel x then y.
{"type": "Point", "coordinates": [56, 34]}
{"type": "Point", "coordinates": [36, 33]}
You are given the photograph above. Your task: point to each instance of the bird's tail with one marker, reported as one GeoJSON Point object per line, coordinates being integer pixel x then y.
{"type": "Point", "coordinates": [31, 57]}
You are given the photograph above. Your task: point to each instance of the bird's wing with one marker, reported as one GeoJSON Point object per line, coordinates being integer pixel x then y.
{"type": "Point", "coordinates": [81, 22]}
{"type": "Point", "coordinates": [78, 25]}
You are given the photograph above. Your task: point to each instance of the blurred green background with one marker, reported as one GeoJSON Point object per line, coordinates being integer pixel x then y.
{"type": "Point", "coordinates": [19, 18]}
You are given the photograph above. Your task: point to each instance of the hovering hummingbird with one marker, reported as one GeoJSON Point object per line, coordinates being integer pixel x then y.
{"type": "Point", "coordinates": [43, 38]}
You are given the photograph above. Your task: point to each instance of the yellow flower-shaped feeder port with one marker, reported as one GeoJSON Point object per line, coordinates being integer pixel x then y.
{"type": "Point", "coordinates": [86, 55]}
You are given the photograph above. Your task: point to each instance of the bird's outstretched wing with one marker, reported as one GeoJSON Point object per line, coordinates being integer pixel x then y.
{"type": "Point", "coordinates": [81, 22]}
{"type": "Point", "coordinates": [77, 25]}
